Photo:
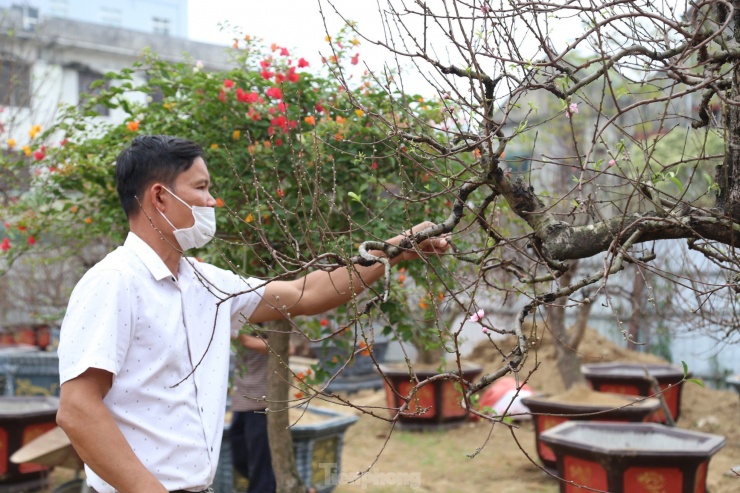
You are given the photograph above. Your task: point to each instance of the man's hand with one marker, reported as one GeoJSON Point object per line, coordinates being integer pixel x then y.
{"type": "Point", "coordinates": [430, 246]}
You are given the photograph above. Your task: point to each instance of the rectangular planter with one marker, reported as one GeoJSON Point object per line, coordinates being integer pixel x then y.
{"type": "Point", "coordinates": [29, 372]}
{"type": "Point", "coordinates": [317, 447]}
{"type": "Point", "coordinates": [631, 457]}
{"type": "Point", "coordinates": [550, 411]}
{"type": "Point", "coordinates": [630, 379]}
{"type": "Point", "coordinates": [433, 405]}
{"type": "Point", "coordinates": [23, 419]}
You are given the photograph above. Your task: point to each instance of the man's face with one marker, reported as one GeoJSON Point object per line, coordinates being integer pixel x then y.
{"type": "Point", "coordinates": [192, 187]}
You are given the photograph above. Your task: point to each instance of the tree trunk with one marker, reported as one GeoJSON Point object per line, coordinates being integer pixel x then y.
{"type": "Point", "coordinates": [566, 341]}
{"type": "Point", "coordinates": [278, 419]}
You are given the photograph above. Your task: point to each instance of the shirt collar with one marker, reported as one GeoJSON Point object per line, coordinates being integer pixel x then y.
{"type": "Point", "coordinates": [148, 256]}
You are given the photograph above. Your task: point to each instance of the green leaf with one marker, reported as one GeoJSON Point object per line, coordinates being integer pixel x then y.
{"type": "Point", "coordinates": [354, 197]}
{"type": "Point", "coordinates": [696, 381]}
{"type": "Point", "coordinates": [685, 369]}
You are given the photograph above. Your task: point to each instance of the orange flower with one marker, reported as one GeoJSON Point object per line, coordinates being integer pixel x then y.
{"type": "Point", "coordinates": [88, 220]}
{"type": "Point", "coordinates": [365, 349]}
{"type": "Point", "coordinates": [401, 278]}
{"type": "Point", "coordinates": [310, 120]}
{"type": "Point", "coordinates": [73, 208]}
{"type": "Point", "coordinates": [267, 144]}
{"type": "Point", "coordinates": [338, 136]}
{"type": "Point", "coordinates": [355, 42]}
{"type": "Point", "coordinates": [236, 134]}
{"type": "Point", "coordinates": [249, 218]}
{"type": "Point", "coordinates": [214, 146]}
{"type": "Point", "coordinates": [11, 143]}
{"type": "Point", "coordinates": [274, 47]}
{"type": "Point", "coordinates": [220, 202]}
{"type": "Point", "coordinates": [35, 130]}
{"type": "Point", "coordinates": [298, 395]}
{"type": "Point", "coordinates": [359, 113]}
{"type": "Point", "coordinates": [247, 37]}
{"type": "Point", "coordinates": [133, 125]}
{"type": "Point", "coordinates": [423, 305]}
{"type": "Point", "coordinates": [340, 120]}
{"type": "Point", "coordinates": [26, 150]}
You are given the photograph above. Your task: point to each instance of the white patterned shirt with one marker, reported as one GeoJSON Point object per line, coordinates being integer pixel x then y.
{"type": "Point", "coordinates": [129, 315]}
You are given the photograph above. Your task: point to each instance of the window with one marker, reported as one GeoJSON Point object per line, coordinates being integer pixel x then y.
{"type": "Point", "coordinates": [160, 25]}
{"type": "Point", "coordinates": [59, 8]}
{"type": "Point", "coordinates": [29, 15]}
{"type": "Point", "coordinates": [111, 16]}
{"type": "Point", "coordinates": [85, 78]}
{"type": "Point", "coordinates": [15, 84]}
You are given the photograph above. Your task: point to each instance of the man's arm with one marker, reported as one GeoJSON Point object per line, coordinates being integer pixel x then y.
{"type": "Point", "coordinates": [321, 291]}
{"type": "Point", "coordinates": [95, 436]}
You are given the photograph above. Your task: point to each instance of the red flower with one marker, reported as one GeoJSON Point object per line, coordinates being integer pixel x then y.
{"type": "Point", "coordinates": [274, 92]}
{"type": "Point", "coordinates": [279, 142]}
{"type": "Point", "coordinates": [279, 78]}
{"type": "Point", "coordinates": [319, 107]}
{"type": "Point", "coordinates": [292, 124]}
{"type": "Point", "coordinates": [280, 121]}
{"type": "Point", "coordinates": [39, 155]}
{"type": "Point", "coordinates": [246, 97]}
{"type": "Point", "coordinates": [270, 130]}
{"type": "Point", "coordinates": [282, 107]}
{"type": "Point", "coordinates": [266, 74]}
{"type": "Point", "coordinates": [374, 165]}
{"type": "Point", "coordinates": [21, 228]}
{"type": "Point", "coordinates": [31, 240]}
{"type": "Point", "coordinates": [228, 83]}
{"type": "Point", "coordinates": [280, 191]}
{"type": "Point", "coordinates": [302, 63]}
{"type": "Point", "coordinates": [292, 75]}
{"type": "Point", "coordinates": [324, 322]}
{"type": "Point", "coordinates": [355, 59]}
{"type": "Point", "coordinates": [222, 96]}
{"type": "Point", "coordinates": [284, 52]}
{"type": "Point", "coordinates": [5, 245]}
{"type": "Point", "coordinates": [63, 143]}
{"type": "Point", "coordinates": [265, 63]}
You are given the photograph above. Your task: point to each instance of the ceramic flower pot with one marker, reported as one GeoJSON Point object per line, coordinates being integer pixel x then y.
{"type": "Point", "coordinates": [582, 405]}
{"type": "Point", "coordinates": [23, 419]}
{"type": "Point", "coordinates": [435, 404]}
{"type": "Point", "coordinates": [630, 379]}
{"type": "Point", "coordinates": [631, 457]}
{"type": "Point", "coordinates": [317, 443]}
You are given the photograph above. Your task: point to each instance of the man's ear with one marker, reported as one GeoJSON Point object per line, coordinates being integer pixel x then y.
{"type": "Point", "coordinates": [156, 191]}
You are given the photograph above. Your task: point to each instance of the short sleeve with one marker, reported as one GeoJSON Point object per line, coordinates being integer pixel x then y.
{"type": "Point", "coordinates": [251, 291]}
{"type": "Point", "coordinates": [96, 331]}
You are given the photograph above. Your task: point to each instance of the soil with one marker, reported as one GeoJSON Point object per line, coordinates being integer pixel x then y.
{"type": "Point", "coordinates": [477, 456]}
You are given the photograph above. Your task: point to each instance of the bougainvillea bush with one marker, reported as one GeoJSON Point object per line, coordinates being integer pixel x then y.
{"type": "Point", "coordinates": [305, 165]}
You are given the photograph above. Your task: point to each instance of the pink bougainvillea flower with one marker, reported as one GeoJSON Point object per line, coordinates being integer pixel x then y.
{"type": "Point", "coordinates": [355, 59]}
{"type": "Point", "coordinates": [274, 92]}
{"type": "Point", "coordinates": [572, 110]}
{"type": "Point", "coordinates": [266, 74]}
{"type": "Point", "coordinates": [302, 63]}
{"type": "Point", "coordinates": [284, 52]}
{"type": "Point", "coordinates": [477, 316]}
{"type": "Point", "coordinates": [228, 83]}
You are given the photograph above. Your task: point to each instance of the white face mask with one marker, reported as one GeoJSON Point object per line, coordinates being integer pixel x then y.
{"type": "Point", "coordinates": [201, 232]}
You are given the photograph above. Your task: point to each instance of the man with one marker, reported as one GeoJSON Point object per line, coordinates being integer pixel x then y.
{"type": "Point", "coordinates": [144, 349]}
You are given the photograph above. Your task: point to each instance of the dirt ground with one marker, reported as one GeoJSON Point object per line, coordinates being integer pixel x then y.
{"type": "Point", "coordinates": [440, 461]}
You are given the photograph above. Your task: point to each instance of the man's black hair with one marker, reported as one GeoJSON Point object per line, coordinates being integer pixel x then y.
{"type": "Point", "coordinates": [150, 159]}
